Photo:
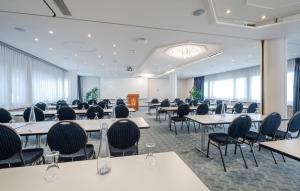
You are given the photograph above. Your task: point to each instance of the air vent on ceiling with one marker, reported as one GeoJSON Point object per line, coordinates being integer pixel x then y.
{"type": "Point", "coordinates": [62, 7]}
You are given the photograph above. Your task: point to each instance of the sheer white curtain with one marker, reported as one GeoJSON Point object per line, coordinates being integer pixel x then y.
{"type": "Point", "coordinates": [290, 81]}
{"type": "Point", "coordinates": [25, 80]}
{"type": "Point", "coordinates": [240, 85]}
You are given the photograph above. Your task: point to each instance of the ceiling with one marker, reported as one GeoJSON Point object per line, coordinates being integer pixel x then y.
{"type": "Point", "coordinates": [122, 23]}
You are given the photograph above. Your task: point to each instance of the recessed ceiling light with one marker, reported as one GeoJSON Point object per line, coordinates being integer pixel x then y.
{"type": "Point", "coordinates": [115, 53]}
{"type": "Point", "coordinates": [185, 51]}
{"type": "Point", "coordinates": [50, 49]}
{"type": "Point", "coordinates": [99, 56]}
{"type": "Point", "coordinates": [132, 51]}
{"type": "Point", "coordinates": [75, 54]}
{"type": "Point", "coordinates": [228, 11]}
{"type": "Point", "coordinates": [89, 36]}
{"type": "Point", "coordinates": [142, 41]}
{"type": "Point", "coordinates": [114, 45]}
{"type": "Point", "coordinates": [36, 39]}
{"type": "Point", "coordinates": [232, 60]}
{"type": "Point", "coordinates": [146, 75]}
{"type": "Point", "coordinates": [51, 32]}
{"type": "Point", "coordinates": [263, 17]}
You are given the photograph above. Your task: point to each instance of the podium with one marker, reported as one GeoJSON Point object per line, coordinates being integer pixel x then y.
{"type": "Point", "coordinates": [133, 101]}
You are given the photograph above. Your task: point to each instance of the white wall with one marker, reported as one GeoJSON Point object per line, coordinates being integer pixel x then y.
{"type": "Point", "coordinates": [88, 83]}
{"type": "Point", "coordinates": [114, 88]}
{"type": "Point", "coordinates": [158, 88]}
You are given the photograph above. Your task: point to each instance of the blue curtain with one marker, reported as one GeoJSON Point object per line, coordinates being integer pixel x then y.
{"type": "Point", "coordinates": [199, 84]}
{"type": "Point", "coordinates": [79, 88]}
{"type": "Point", "coordinates": [296, 98]}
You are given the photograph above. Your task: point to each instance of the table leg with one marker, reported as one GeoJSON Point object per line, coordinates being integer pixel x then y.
{"type": "Point", "coordinates": [169, 115]}
{"type": "Point", "coordinates": [156, 113]}
{"type": "Point", "coordinates": [202, 147]}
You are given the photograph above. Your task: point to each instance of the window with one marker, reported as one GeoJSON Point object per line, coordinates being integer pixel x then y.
{"type": "Point", "coordinates": [255, 90]}
{"type": "Point", "coordinates": [223, 89]}
{"type": "Point", "coordinates": [289, 87]}
{"type": "Point", "coordinates": [206, 89]}
{"type": "Point", "coordinates": [241, 88]}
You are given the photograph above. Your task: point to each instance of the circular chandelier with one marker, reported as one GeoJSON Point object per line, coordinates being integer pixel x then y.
{"type": "Point", "coordinates": [185, 51]}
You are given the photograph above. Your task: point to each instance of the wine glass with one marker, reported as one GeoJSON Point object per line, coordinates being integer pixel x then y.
{"type": "Point", "coordinates": [52, 171]}
{"type": "Point", "coordinates": [96, 116]}
{"type": "Point", "coordinates": [150, 158]}
{"type": "Point", "coordinates": [11, 123]}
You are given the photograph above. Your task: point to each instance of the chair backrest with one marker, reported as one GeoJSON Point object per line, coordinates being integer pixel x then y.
{"type": "Point", "coordinates": [92, 102]}
{"type": "Point", "coordinates": [83, 105]}
{"type": "Point", "coordinates": [154, 100]}
{"type": "Point", "coordinates": [66, 113]}
{"type": "Point", "coordinates": [120, 102]}
{"type": "Point", "coordinates": [106, 100]}
{"type": "Point", "coordinates": [270, 124]}
{"type": "Point", "coordinates": [179, 102]}
{"type": "Point", "coordinates": [123, 134]}
{"type": "Point", "coordinates": [187, 100]}
{"type": "Point", "coordinates": [294, 124]}
{"type": "Point", "coordinates": [183, 110]}
{"type": "Point", "coordinates": [206, 101]}
{"type": "Point", "coordinates": [61, 104]}
{"type": "Point", "coordinates": [10, 142]}
{"type": "Point", "coordinates": [218, 109]}
{"type": "Point", "coordinates": [5, 116]}
{"type": "Point", "coordinates": [103, 104]}
{"type": "Point", "coordinates": [193, 103]}
{"type": "Point", "coordinates": [252, 108]}
{"type": "Point", "coordinates": [76, 102]}
{"type": "Point", "coordinates": [219, 102]}
{"type": "Point", "coordinates": [165, 103]}
{"type": "Point", "coordinates": [238, 108]}
{"type": "Point", "coordinates": [39, 114]}
{"type": "Point", "coordinates": [176, 100]}
{"type": "Point", "coordinates": [202, 109]}
{"type": "Point", "coordinates": [121, 111]}
{"type": "Point", "coordinates": [91, 112]}
{"type": "Point", "coordinates": [66, 137]}
{"type": "Point", "coordinates": [239, 126]}
{"type": "Point", "coordinates": [41, 105]}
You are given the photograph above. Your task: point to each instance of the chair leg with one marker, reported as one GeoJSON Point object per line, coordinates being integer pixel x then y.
{"type": "Point", "coordinates": [283, 158]}
{"type": "Point", "coordinates": [26, 141]}
{"type": "Point", "coordinates": [175, 128]}
{"type": "Point", "coordinates": [243, 156]}
{"type": "Point", "coordinates": [235, 147]}
{"type": "Point", "coordinates": [195, 126]}
{"type": "Point", "coordinates": [226, 149]}
{"type": "Point", "coordinates": [252, 151]}
{"type": "Point", "coordinates": [273, 157]}
{"type": "Point", "coordinates": [222, 157]}
{"type": "Point", "coordinates": [207, 151]}
{"type": "Point", "coordinates": [187, 125]}
{"type": "Point", "coordinates": [181, 125]}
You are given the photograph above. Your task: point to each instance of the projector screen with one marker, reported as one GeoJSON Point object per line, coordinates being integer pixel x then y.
{"type": "Point", "coordinates": [114, 88]}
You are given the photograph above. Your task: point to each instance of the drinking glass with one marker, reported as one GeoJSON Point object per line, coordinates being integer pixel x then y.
{"type": "Point", "coordinates": [96, 116]}
{"type": "Point", "coordinates": [11, 123]}
{"type": "Point", "coordinates": [52, 171]}
{"type": "Point", "coordinates": [150, 158]}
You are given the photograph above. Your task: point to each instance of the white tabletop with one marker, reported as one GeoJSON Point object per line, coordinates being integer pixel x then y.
{"type": "Point", "coordinates": [127, 173]}
{"type": "Point", "coordinates": [43, 127]}
{"type": "Point", "coordinates": [175, 108]}
{"type": "Point", "coordinates": [289, 148]}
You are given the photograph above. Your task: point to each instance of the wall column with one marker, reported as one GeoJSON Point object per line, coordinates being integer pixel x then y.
{"type": "Point", "coordinates": [274, 68]}
{"type": "Point", "coordinates": [173, 86]}
{"type": "Point", "coordinates": [72, 85]}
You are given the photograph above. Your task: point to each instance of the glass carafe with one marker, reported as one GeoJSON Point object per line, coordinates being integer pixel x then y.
{"type": "Point", "coordinates": [103, 161]}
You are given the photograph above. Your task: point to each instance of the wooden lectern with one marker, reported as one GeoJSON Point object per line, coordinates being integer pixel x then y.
{"type": "Point", "coordinates": [133, 101]}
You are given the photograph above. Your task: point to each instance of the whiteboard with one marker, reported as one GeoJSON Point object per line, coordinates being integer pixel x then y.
{"type": "Point", "coordinates": [114, 88]}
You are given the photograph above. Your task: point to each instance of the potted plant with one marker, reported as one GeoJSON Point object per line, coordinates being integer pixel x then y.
{"type": "Point", "coordinates": [195, 93]}
{"type": "Point", "coordinates": [91, 95]}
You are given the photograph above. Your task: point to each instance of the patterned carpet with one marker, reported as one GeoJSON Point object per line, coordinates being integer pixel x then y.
{"type": "Point", "coordinates": [268, 176]}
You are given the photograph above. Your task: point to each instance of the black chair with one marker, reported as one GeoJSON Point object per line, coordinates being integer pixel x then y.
{"type": "Point", "coordinates": [120, 102]}
{"type": "Point", "coordinates": [123, 137]}
{"type": "Point", "coordinates": [41, 105]}
{"type": "Point", "coordinates": [71, 141]}
{"type": "Point", "coordinates": [206, 101]}
{"type": "Point", "coordinates": [61, 104]}
{"type": "Point", "coordinates": [219, 102]}
{"type": "Point", "coordinates": [39, 114]}
{"type": "Point", "coordinates": [164, 103]}
{"type": "Point", "coordinates": [182, 111]}
{"type": "Point", "coordinates": [188, 100]}
{"type": "Point", "coordinates": [176, 100]}
{"type": "Point", "coordinates": [292, 127]}
{"type": "Point", "coordinates": [193, 103]}
{"type": "Point", "coordinates": [107, 101]}
{"type": "Point", "coordinates": [202, 109]}
{"type": "Point", "coordinates": [83, 105]}
{"type": "Point", "coordinates": [92, 102]}
{"type": "Point", "coordinates": [66, 113]}
{"type": "Point", "coordinates": [11, 153]}
{"type": "Point", "coordinates": [237, 108]}
{"type": "Point", "coordinates": [178, 103]}
{"type": "Point", "coordinates": [103, 104]}
{"type": "Point", "coordinates": [121, 111]}
{"type": "Point", "coordinates": [267, 131]}
{"type": "Point", "coordinates": [93, 110]}
{"type": "Point", "coordinates": [76, 102]}
{"type": "Point", "coordinates": [218, 109]}
{"type": "Point", "coordinates": [236, 130]}
{"type": "Point", "coordinates": [5, 116]}
{"type": "Point", "coordinates": [153, 101]}
{"type": "Point", "coordinates": [252, 108]}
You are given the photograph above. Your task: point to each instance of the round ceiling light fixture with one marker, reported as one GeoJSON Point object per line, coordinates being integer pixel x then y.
{"type": "Point", "coordinates": [185, 51]}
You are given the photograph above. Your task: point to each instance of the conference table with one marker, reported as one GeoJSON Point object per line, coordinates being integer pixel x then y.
{"type": "Point", "coordinates": [289, 148]}
{"type": "Point", "coordinates": [206, 120]}
{"type": "Point", "coordinates": [171, 110]}
{"type": "Point", "coordinates": [127, 173]}
{"type": "Point", "coordinates": [42, 127]}
{"type": "Point", "coordinates": [77, 112]}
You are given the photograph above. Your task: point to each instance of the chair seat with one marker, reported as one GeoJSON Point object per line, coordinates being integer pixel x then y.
{"type": "Point", "coordinates": [281, 135]}
{"type": "Point", "coordinates": [221, 138]}
{"type": "Point", "coordinates": [80, 155]}
{"type": "Point", "coordinates": [29, 155]}
{"type": "Point", "coordinates": [252, 136]}
{"type": "Point", "coordinates": [177, 118]}
{"type": "Point", "coordinates": [133, 150]}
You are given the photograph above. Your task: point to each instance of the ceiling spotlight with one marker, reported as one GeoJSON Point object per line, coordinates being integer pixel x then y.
{"type": "Point", "coordinates": [132, 51]}
{"type": "Point", "coordinates": [185, 51]}
{"type": "Point", "coordinates": [50, 49]}
{"type": "Point", "coordinates": [198, 12]}
{"type": "Point", "coordinates": [99, 56]}
{"type": "Point", "coordinates": [36, 39]}
{"type": "Point", "coordinates": [228, 11]}
{"type": "Point", "coordinates": [115, 53]}
{"type": "Point", "coordinates": [263, 17]}
{"type": "Point", "coordinates": [76, 55]}
{"type": "Point", "coordinates": [51, 32]}
{"type": "Point", "coordinates": [89, 36]}
{"type": "Point", "coordinates": [142, 41]}
{"type": "Point", "coordinates": [146, 75]}
{"type": "Point", "coordinates": [114, 45]}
